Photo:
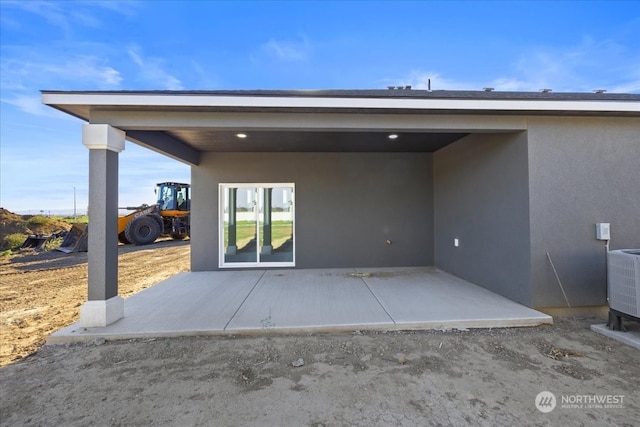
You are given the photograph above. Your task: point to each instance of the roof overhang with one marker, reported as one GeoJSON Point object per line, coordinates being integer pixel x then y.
{"type": "Point", "coordinates": [81, 103]}
{"type": "Point", "coordinates": [183, 124]}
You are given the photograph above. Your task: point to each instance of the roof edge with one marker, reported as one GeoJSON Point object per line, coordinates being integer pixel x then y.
{"type": "Point", "coordinates": [222, 100]}
{"type": "Point", "coordinates": [373, 93]}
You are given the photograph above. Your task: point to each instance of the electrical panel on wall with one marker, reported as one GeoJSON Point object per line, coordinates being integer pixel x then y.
{"type": "Point", "coordinates": [603, 231]}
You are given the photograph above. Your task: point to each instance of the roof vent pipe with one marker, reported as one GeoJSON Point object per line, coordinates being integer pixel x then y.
{"type": "Point", "coordinates": [545, 90]}
{"type": "Point", "coordinates": [599, 91]}
{"type": "Point", "coordinates": [429, 85]}
{"type": "Point", "coordinates": [487, 89]}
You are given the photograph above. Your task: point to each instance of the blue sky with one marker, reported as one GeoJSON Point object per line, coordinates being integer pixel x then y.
{"type": "Point", "coordinates": [181, 45]}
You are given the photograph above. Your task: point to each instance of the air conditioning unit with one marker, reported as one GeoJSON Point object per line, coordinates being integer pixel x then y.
{"type": "Point", "coordinates": [624, 281]}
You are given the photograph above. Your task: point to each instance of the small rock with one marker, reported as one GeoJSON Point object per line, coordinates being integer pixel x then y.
{"type": "Point", "coordinates": [463, 329]}
{"type": "Point", "coordinates": [298, 363]}
{"type": "Point", "coordinates": [402, 358]}
{"type": "Point", "coordinates": [357, 332]}
{"type": "Point", "coordinates": [99, 341]}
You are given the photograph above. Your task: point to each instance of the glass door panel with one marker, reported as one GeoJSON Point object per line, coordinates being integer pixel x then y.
{"type": "Point", "coordinates": [276, 224]}
{"type": "Point", "coordinates": [240, 225]}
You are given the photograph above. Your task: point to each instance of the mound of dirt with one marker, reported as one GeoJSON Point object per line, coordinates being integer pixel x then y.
{"type": "Point", "coordinates": [11, 223]}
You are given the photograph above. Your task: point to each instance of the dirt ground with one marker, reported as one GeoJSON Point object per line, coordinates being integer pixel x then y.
{"type": "Point", "coordinates": [42, 292]}
{"type": "Point", "coordinates": [458, 377]}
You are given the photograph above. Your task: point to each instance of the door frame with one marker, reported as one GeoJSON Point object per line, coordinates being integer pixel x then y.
{"type": "Point", "coordinates": [222, 187]}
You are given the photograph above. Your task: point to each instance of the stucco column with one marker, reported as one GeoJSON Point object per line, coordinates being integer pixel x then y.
{"type": "Point", "coordinates": [104, 305]}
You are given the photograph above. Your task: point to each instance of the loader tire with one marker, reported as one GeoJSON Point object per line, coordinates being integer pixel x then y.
{"type": "Point", "coordinates": [160, 222]}
{"type": "Point", "coordinates": [123, 239]}
{"type": "Point", "coordinates": [142, 231]}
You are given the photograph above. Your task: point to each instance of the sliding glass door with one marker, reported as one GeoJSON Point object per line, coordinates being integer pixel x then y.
{"type": "Point", "coordinates": [257, 225]}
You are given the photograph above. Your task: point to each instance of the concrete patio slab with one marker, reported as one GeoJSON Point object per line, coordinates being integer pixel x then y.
{"type": "Point", "coordinates": [291, 300]}
{"type": "Point", "coordinates": [426, 297]}
{"type": "Point", "coordinates": [310, 299]}
{"type": "Point", "coordinates": [185, 304]}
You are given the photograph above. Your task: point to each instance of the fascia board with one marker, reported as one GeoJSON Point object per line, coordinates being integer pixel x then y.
{"type": "Point", "coordinates": [154, 100]}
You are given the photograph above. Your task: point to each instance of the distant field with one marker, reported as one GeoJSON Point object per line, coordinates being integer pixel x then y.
{"type": "Point", "coordinates": [83, 219]}
{"type": "Point", "coordinates": [281, 231]}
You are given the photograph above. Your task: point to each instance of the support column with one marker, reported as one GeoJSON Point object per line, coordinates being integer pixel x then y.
{"type": "Point", "coordinates": [232, 246]}
{"type": "Point", "coordinates": [104, 305]}
{"type": "Point", "coordinates": [267, 247]}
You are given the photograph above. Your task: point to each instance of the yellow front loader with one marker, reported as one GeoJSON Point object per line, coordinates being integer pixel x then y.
{"type": "Point", "coordinates": [168, 217]}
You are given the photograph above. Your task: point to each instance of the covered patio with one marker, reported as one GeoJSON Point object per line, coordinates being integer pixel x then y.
{"type": "Point", "coordinates": [408, 183]}
{"type": "Point", "coordinates": [307, 301]}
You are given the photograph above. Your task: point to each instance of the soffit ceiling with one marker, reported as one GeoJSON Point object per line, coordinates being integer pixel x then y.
{"type": "Point", "coordinates": [317, 141]}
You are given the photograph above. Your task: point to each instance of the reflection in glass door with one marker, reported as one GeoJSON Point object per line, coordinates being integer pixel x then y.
{"type": "Point", "coordinates": [240, 237]}
{"type": "Point", "coordinates": [257, 223]}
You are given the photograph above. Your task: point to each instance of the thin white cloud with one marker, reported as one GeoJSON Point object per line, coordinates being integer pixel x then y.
{"type": "Point", "coordinates": [33, 105]}
{"type": "Point", "coordinates": [590, 65]}
{"type": "Point", "coordinates": [151, 71]}
{"type": "Point", "coordinates": [289, 50]}
{"type": "Point", "coordinates": [11, 78]}
{"type": "Point", "coordinates": [21, 77]}
{"type": "Point", "coordinates": [585, 67]}
{"type": "Point", "coordinates": [68, 14]}
{"type": "Point", "coordinates": [207, 79]}
{"type": "Point", "coordinates": [19, 73]}
{"type": "Point", "coordinates": [632, 86]}
{"type": "Point", "coordinates": [135, 57]}
{"type": "Point", "coordinates": [127, 8]}
{"type": "Point", "coordinates": [515, 84]}
{"type": "Point", "coordinates": [86, 69]}
{"type": "Point", "coordinates": [52, 12]}
{"type": "Point", "coordinates": [9, 22]}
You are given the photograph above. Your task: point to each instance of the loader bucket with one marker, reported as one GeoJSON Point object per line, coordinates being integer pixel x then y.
{"type": "Point", "coordinates": [35, 241]}
{"type": "Point", "coordinates": [76, 239]}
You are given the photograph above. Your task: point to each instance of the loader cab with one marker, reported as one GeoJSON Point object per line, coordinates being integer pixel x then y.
{"type": "Point", "coordinates": [173, 196]}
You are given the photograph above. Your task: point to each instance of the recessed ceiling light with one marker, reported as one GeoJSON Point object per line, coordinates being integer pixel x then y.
{"type": "Point", "coordinates": [393, 136]}
{"type": "Point", "coordinates": [241, 135]}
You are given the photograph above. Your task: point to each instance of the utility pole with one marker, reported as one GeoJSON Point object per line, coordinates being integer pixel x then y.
{"type": "Point", "coordinates": [74, 202]}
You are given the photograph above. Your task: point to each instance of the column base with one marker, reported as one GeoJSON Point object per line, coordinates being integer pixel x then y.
{"type": "Point", "coordinates": [231, 250]}
{"type": "Point", "coordinates": [266, 250]}
{"type": "Point", "coordinates": [100, 313]}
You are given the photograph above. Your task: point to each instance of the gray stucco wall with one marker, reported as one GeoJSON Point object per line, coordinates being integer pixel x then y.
{"type": "Point", "coordinates": [582, 171]}
{"type": "Point", "coordinates": [347, 205]}
{"type": "Point", "coordinates": [481, 198]}
{"type": "Point", "coordinates": [508, 197]}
